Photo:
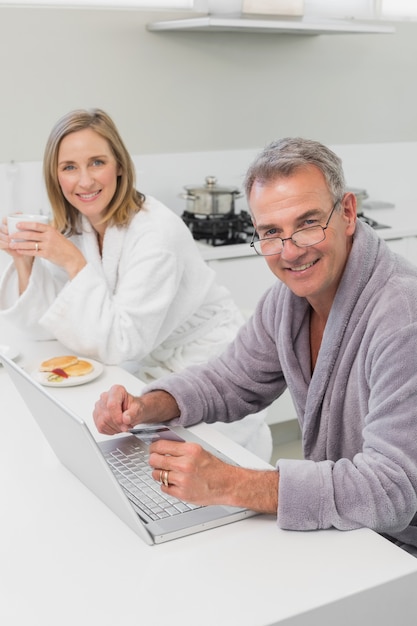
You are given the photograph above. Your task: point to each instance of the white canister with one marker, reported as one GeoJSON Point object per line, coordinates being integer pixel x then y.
{"type": "Point", "coordinates": [293, 8]}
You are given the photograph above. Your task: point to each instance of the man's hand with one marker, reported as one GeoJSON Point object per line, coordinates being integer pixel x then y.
{"type": "Point", "coordinates": [117, 411]}
{"type": "Point", "coordinates": [194, 475]}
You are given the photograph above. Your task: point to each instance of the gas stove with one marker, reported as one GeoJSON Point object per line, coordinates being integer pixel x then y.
{"type": "Point", "coordinates": [234, 228]}
{"type": "Point", "coordinates": [220, 230]}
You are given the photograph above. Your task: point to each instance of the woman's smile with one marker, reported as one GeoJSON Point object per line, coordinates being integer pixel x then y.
{"type": "Point", "coordinates": [89, 196]}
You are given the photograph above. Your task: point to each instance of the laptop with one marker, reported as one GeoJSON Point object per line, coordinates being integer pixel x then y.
{"type": "Point", "coordinates": [102, 467]}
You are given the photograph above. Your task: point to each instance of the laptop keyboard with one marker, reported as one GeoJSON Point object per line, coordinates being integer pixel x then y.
{"type": "Point", "coordinates": [129, 464]}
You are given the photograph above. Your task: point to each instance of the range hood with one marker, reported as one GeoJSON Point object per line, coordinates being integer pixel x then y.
{"type": "Point", "coordinates": [289, 26]}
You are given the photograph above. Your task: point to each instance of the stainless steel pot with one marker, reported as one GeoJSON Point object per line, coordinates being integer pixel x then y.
{"type": "Point", "coordinates": [211, 199]}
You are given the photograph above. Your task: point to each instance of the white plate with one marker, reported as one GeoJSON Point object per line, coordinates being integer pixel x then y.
{"type": "Point", "coordinates": [8, 351]}
{"type": "Point", "coordinates": [72, 381]}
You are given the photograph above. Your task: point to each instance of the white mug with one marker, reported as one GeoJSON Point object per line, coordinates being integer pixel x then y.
{"type": "Point", "coordinates": [15, 218]}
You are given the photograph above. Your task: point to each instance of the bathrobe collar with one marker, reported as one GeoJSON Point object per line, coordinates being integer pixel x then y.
{"type": "Point", "coordinates": [108, 263]}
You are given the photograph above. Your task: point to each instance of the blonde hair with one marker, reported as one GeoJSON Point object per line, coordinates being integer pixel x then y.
{"type": "Point", "coordinates": [126, 201]}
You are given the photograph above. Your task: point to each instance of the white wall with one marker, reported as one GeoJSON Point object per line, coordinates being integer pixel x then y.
{"type": "Point", "coordinates": [196, 104]}
{"type": "Point", "coordinates": [197, 92]}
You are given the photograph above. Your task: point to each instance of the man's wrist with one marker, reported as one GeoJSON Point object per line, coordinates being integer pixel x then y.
{"type": "Point", "coordinates": [159, 406]}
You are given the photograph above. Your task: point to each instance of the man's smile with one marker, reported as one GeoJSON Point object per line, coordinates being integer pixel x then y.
{"type": "Point", "coordinates": [301, 268]}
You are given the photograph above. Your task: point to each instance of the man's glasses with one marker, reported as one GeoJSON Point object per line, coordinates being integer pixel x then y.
{"type": "Point", "coordinates": [301, 238]}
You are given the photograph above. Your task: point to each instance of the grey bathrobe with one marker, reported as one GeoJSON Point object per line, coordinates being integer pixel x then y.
{"type": "Point", "coordinates": [357, 412]}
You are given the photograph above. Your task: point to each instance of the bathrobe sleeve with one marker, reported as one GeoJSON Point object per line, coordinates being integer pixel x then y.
{"type": "Point", "coordinates": [376, 486]}
{"type": "Point", "coordinates": [25, 311]}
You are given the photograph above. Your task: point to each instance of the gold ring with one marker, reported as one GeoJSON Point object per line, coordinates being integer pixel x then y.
{"type": "Point", "coordinates": [165, 478]}
{"type": "Point", "coordinates": [160, 475]}
{"type": "Point", "coordinates": [37, 247]}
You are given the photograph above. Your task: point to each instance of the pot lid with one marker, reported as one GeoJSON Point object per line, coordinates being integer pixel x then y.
{"type": "Point", "coordinates": [211, 186]}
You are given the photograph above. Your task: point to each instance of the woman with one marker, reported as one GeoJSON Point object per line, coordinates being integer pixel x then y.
{"type": "Point", "coordinates": [117, 277]}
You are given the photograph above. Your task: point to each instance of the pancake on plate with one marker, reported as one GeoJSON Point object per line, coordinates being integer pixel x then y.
{"type": "Point", "coordinates": [62, 367]}
{"type": "Point", "coordinates": [80, 368]}
{"type": "Point", "coordinates": [58, 362]}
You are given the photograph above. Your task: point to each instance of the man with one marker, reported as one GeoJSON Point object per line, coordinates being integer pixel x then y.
{"type": "Point", "coordinates": [339, 329]}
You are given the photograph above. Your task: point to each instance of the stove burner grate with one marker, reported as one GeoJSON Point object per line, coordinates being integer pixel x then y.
{"type": "Point", "coordinates": [216, 230]}
{"type": "Point", "coordinates": [232, 228]}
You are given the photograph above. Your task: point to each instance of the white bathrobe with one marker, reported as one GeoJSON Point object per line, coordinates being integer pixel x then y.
{"type": "Point", "coordinates": [149, 303]}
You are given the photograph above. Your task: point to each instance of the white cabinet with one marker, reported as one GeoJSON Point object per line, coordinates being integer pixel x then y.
{"type": "Point", "coordinates": [246, 277]}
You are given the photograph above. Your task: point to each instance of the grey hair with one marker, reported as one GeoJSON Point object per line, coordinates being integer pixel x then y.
{"type": "Point", "coordinates": [284, 157]}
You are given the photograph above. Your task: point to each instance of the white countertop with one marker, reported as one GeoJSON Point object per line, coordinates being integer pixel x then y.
{"type": "Point", "coordinates": [66, 559]}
